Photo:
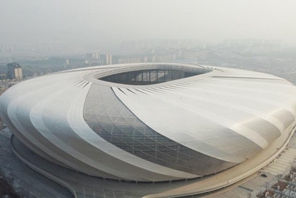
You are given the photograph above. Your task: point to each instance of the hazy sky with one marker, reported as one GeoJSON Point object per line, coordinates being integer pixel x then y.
{"type": "Point", "coordinates": [86, 21]}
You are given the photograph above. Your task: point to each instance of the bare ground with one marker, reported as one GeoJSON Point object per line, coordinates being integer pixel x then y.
{"type": "Point", "coordinates": [6, 189]}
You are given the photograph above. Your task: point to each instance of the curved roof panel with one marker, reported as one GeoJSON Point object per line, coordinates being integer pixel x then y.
{"type": "Point", "coordinates": [149, 122]}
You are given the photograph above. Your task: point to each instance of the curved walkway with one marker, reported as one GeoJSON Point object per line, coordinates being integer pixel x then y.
{"type": "Point", "coordinates": [236, 174]}
{"type": "Point", "coordinates": [82, 185]}
{"type": "Point", "coordinates": [24, 180]}
{"type": "Point", "coordinates": [88, 186]}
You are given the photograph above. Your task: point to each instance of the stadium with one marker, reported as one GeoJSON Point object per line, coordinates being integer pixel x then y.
{"type": "Point", "coordinates": [153, 122]}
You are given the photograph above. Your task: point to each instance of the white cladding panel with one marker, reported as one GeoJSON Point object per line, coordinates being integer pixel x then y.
{"type": "Point", "coordinates": [225, 115]}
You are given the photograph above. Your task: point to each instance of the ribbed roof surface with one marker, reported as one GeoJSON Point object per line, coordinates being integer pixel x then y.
{"type": "Point", "coordinates": [178, 129]}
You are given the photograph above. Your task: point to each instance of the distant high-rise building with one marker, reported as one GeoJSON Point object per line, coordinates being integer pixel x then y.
{"type": "Point", "coordinates": [106, 59]}
{"type": "Point", "coordinates": [98, 58]}
{"type": "Point", "coordinates": [14, 71]}
{"type": "Point", "coordinates": [93, 55]}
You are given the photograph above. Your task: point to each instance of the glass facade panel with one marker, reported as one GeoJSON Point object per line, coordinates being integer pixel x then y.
{"type": "Point", "coordinates": [152, 76]}
{"type": "Point", "coordinates": [115, 123]}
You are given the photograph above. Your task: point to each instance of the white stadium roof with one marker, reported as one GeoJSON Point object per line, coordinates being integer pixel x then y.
{"type": "Point", "coordinates": [149, 122]}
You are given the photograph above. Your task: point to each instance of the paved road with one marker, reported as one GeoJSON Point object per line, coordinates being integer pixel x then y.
{"type": "Point", "coordinates": [258, 183]}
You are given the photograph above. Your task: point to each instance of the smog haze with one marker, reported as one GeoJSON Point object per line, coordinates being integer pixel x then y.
{"type": "Point", "coordinates": [102, 21]}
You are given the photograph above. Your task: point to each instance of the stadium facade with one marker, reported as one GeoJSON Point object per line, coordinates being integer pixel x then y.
{"type": "Point", "coordinates": [150, 122]}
